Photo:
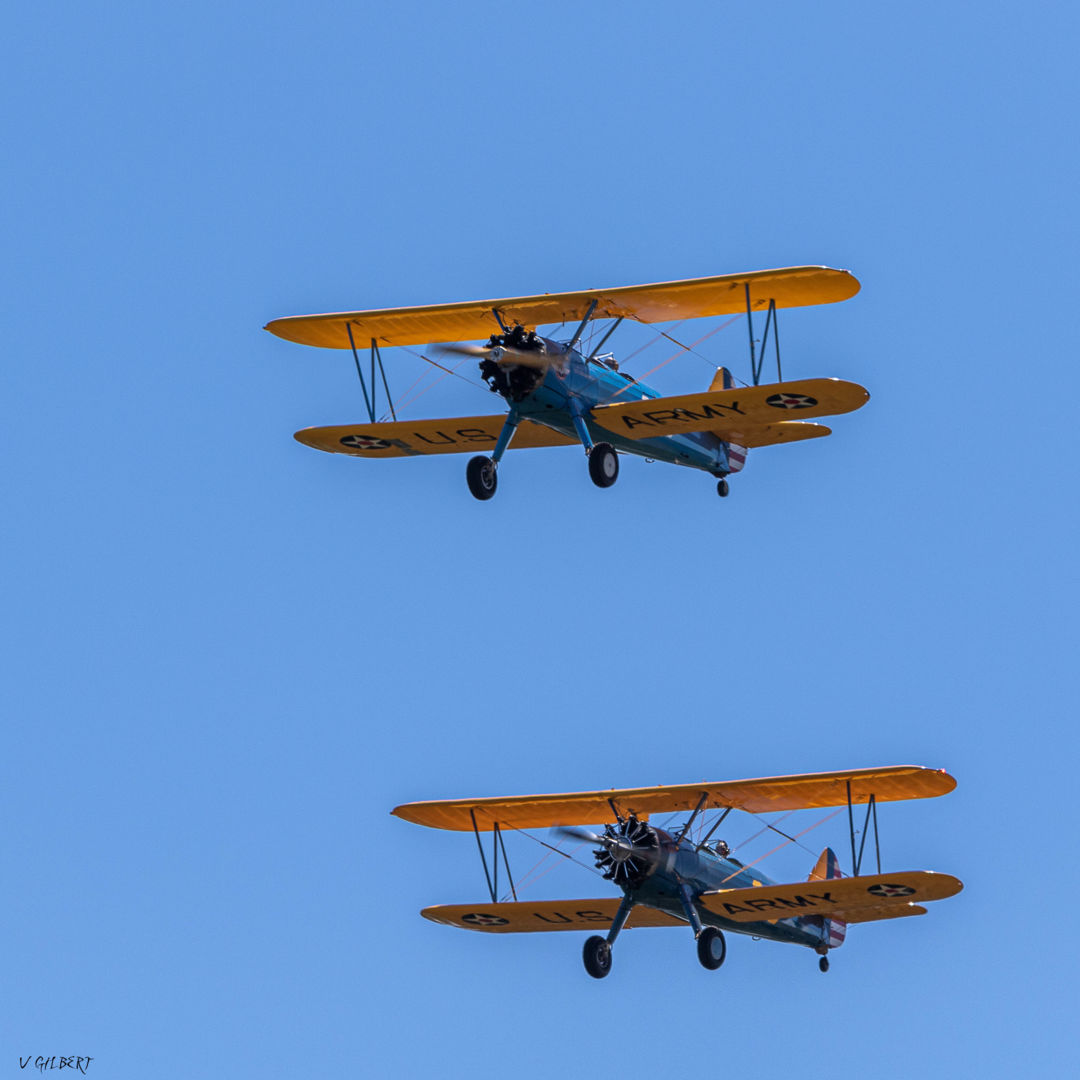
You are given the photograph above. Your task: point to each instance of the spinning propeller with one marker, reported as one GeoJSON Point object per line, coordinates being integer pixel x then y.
{"type": "Point", "coordinates": [628, 850]}
{"type": "Point", "coordinates": [517, 346]}
{"type": "Point", "coordinates": [502, 355]}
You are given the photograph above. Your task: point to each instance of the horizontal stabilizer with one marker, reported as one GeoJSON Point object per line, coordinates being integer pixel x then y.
{"type": "Point", "coordinates": [792, 286]}
{"type": "Point", "coordinates": [732, 414]}
{"type": "Point", "coordinates": [852, 899]}
{"type": "Point", "coordinates": [805, 792]}
{"type": "Point", "coordinates": [877, 914]}
{"type": "Point", "coordinates": [523, 917]}
{"type": "Point", "coordinates": [409, 438]}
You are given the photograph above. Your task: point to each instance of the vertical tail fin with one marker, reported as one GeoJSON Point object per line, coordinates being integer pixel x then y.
{"type": "Point", "coordinates": [826, 868]}
{"type": "Point", "coordinates": [722, 380]}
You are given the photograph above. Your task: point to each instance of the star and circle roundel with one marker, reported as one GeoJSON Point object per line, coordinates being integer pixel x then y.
{"type": "Point", "coordinates": [480, 918]}
{"type": "Point", "coordinates": [790, 401]}
{"type": "Point", "coordinates": [364, 442]}
{"type": "Point", "coordinates": [884, 888]}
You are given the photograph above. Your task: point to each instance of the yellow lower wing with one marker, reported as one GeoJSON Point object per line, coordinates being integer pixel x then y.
{"type": "Point", "coordinates": [729, 412]}
{"type": "Point", "coordinates": [409, 438]}
{"type": "Point", "coordinates": [853, 899]}
{"type": "Point", "coordinates": [522, 917]}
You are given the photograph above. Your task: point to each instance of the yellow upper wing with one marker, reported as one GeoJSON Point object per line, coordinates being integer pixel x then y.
{"type": "Point", "coordinates": [754, 796]}
{"type": "Point", "coordinates": [737, 415]}
{"type": "Point", "coordinates": [853, 899]}
{"type": "Point", "coordinates": [794, 286]}
{"type": "Point", "coordinates": [409, 438]}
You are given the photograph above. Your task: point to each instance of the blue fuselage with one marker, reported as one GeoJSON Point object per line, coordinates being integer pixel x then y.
{"type": "Point", "coordinates": [703, 871]}
{"type": "Point", "coordinates": [577, 385]}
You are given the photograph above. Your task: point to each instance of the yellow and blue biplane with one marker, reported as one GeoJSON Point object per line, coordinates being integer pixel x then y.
{"type": "Point", "coordinates": [558, 395]}
{"type": "Point", "coordinates": [672, 877]}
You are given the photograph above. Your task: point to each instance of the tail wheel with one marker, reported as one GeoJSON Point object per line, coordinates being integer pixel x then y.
{"type": "Point", "coordinates": [711, 948]}
{"type": "Point", "coordinates": [603, 464]}
{"type": "Point", "coordinates": [823, 963]}
{"type": "Point", "coordinates": [481, 476]}
{"type": "Point", "coordinates": [722, 489]}
{"type": "Point", "coordinates": [597, 957]}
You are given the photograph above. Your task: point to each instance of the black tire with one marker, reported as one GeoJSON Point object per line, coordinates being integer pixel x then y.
{"type": "Point", "coordinates": [603, 464]}
{"type": "Point", "coordinates": [823, 963]}
{"type": "Point", "coordinates": [597, 957]}
{"type": "Point", "coordinates": [711, 948]}
{"type": "Point", "coordinates": [482, 477]}
{"type": "Point", "coordinates": [722, 489]}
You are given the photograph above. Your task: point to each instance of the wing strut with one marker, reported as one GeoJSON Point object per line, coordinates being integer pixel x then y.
{"type": "Point", "coordinates": [497, 845]}
{"type": "Point", "coordinates": [755, 364]}
{"type": "Point", "coordinates": [376, 357]}
{"type": "Point", "coordinates": [483, 858]}
{"type": "Point", "coordinates": [506, 861]}
{"type": "Point", "coordinates": [871, 814]}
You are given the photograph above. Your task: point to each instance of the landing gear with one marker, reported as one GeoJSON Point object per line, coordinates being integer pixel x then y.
{"type": "Point", "coordinates": [722, 489]}
{"type": "Point", "coordinates": [597, 957]}
{"type": "Point", "coordinates": [711, 948]}
{"type": "Point", "coordinates": [603, 464]}
{"type": "Point", "coordinates": [480, 473]}
{"type": "Point", "coordinates": [823, 964]}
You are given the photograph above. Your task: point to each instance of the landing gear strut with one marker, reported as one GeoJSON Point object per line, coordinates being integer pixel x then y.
{"type": "Point", "coordinates": [603, 464]}
{"type": "Point", "coordinates": [603, 461]}
{"type": "Point", "coordinates": [597, 952]}
{"type": "Point", "coordinates": [597, 956]}
{"type": "Point", "coordinates": [481, 476]}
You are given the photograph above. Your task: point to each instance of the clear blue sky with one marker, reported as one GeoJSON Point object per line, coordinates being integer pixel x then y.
{"type": "Point", "coordinates": [228, 656]}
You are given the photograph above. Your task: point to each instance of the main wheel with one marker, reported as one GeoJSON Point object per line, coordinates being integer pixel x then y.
{"type": "Point", "coordinates": [603, 464]}
{"type": "Point", "coordinates": [722, 489]}
{"type": "Point", "coordinates": [482, 478]}
{"type": "Point", "coordinates": [823, 963]}
{"type": "Point", "coordinates": [711, 948]}
{"type": "Point", "coordinates": [597, 956]}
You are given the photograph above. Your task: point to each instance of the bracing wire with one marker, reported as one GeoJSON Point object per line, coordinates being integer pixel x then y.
{"type": "Point", "coordinates": [405, 401]}
{"type": "Point", "coordinates": [557, 851]}
{"type": "Point", "coordinates": [682, 348]}
{"type": "Point", "coordinates": [779, 847]}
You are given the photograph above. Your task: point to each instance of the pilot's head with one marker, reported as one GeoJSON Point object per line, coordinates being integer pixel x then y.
{"type": "Point", "coordinates": [721, 848]}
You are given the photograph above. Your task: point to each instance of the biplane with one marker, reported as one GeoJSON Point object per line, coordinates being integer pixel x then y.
{"type": "Point", "coordinates": [674, 877]}
{"type": "Point", "coordinates": [562, 393]}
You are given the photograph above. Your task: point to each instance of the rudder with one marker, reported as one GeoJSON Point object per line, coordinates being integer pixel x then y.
{"type": "Point", "coordinates": [722, 380]}
{"type": "Point", "coordinates": [828, 867]}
